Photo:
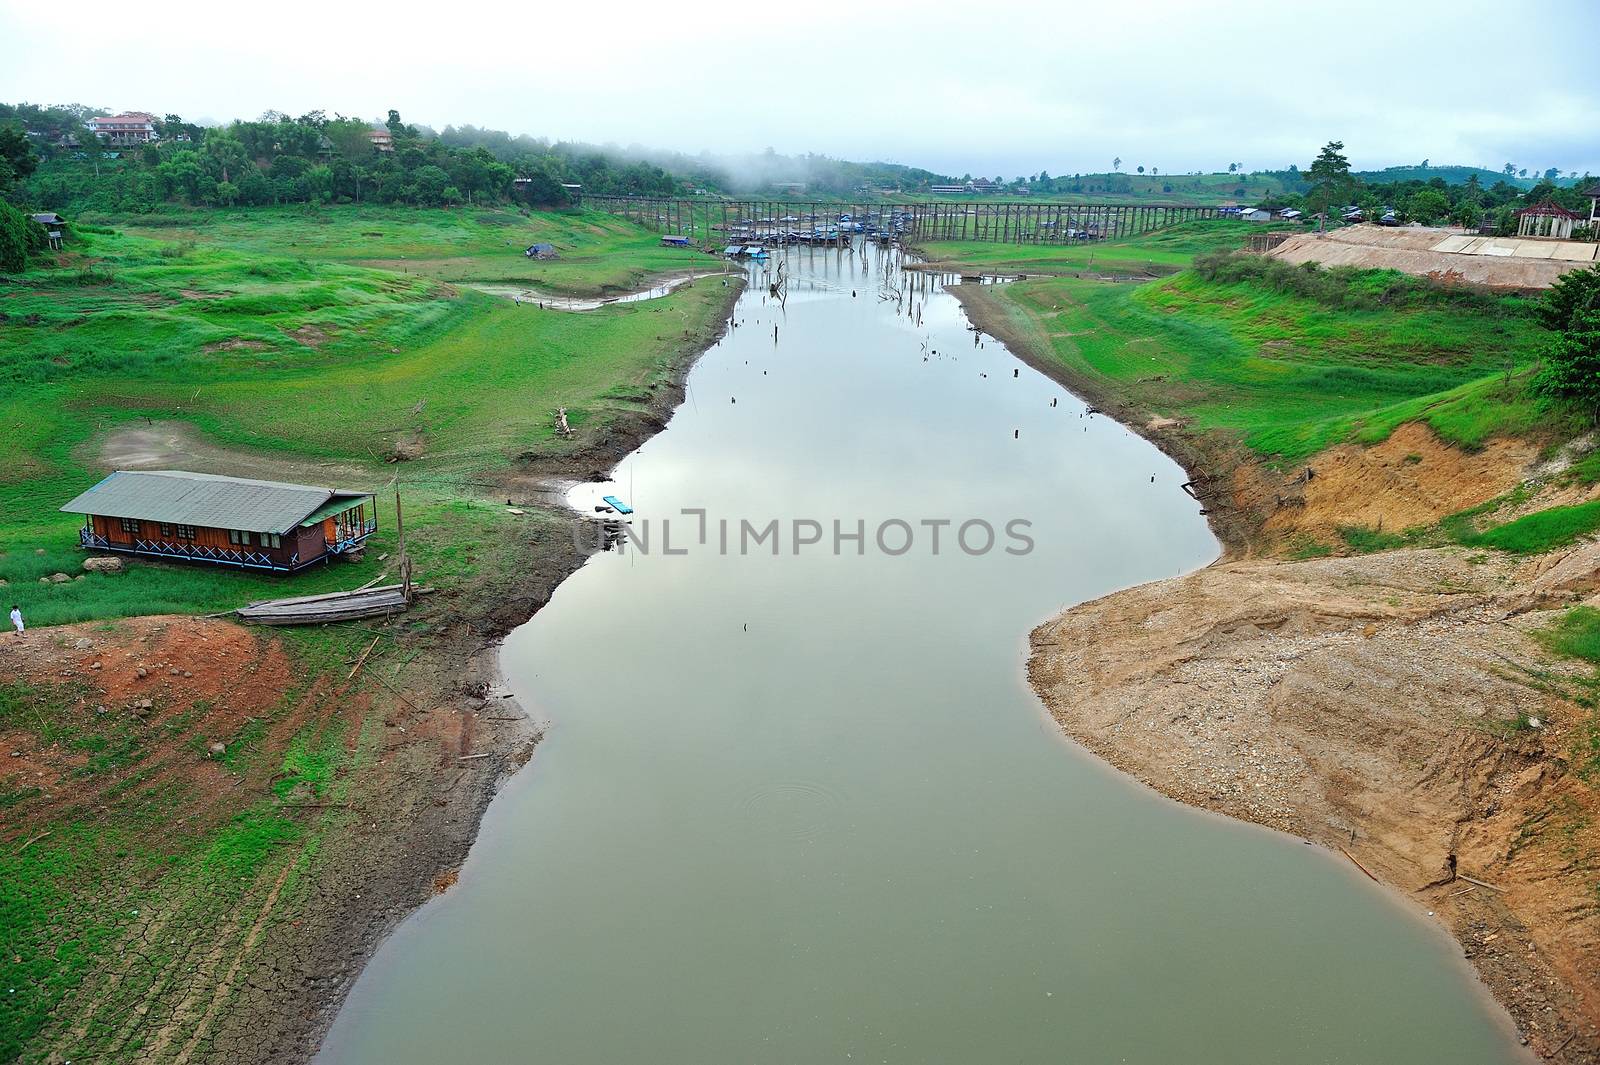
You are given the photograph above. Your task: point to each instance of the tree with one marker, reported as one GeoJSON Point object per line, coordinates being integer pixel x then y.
{"type": "Point", "coordinates": [1510, 169]}
{"type": "Point", "coordinates": [17, 157]}
{"type": "Point", "coordinates": [1428, 206]}
{"type": "Point", "coordinates": [1233, 168]}
{"type": "Point", "coordinates": [1116, 164]}
{"type": "Point", "coordinates": [18, 236]}
{"type": "Point", "coordinates": [1330, 178]}
{"type": "Point", "coordinates": [1575, 292]}
{"type": "Point", "coordinates": [1141, 169]}
{"type": "Point", "coordinates": [1572, 363]}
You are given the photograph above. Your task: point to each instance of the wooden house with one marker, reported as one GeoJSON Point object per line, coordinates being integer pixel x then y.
{"type": "Point", "coordinates": [225, 521]}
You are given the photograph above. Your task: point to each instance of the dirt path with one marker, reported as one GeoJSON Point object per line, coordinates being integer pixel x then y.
{"type": "Point", "coordinates": [175, 445]}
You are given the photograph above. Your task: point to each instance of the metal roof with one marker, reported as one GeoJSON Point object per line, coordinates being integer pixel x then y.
{"type": "Point", "coordinates": [183, 498]}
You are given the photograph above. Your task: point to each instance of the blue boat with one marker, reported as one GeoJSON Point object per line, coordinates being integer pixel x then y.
{"type": "Point", "coordinates": [618, 505]}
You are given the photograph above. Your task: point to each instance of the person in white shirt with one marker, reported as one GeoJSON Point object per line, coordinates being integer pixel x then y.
{"type": "Point", "coordinates": [16, 617]}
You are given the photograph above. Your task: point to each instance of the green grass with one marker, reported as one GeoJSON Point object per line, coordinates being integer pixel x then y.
{"type": "Point", "coordinates": [71, 900]}
{"type": "Point", "coordinates": [305, 359]}
{"type": "Point", "coordinates": [278, 336]}
{"type": "Point", "coordinates": [1161, 251]}
{"type": "Point", "coordinates": [1576, 634]}
{"type": "Point", "coordinates": [1362, 540]}
{"type": "Point", "coordinates": [1541, 531]}
{"type": "Point", "coordinates": [1289, 374]}
{"type": "Point", "coordinates": [598, 252]}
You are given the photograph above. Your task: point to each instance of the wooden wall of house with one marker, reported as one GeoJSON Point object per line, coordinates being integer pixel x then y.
{"type": "Point", "coordinates": [308, 542]}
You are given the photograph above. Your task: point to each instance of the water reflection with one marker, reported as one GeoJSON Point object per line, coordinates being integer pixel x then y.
{"type": "Point", "coordinates": [802, 807]}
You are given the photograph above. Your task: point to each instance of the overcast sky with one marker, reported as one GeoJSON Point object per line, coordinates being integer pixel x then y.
{"type": "Point", "coordinates": [977, 86]}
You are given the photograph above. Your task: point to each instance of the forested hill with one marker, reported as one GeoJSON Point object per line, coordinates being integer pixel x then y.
{"type": "Point", "coordinates": [315, 158]}
{"type": "Point", "coordinates": [310, 159]}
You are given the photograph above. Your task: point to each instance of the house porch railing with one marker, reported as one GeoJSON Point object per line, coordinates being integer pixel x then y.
{"type": "Point", "coordinates": [351, 536]}
{"type": "Point", "coordinates": [244, 559]}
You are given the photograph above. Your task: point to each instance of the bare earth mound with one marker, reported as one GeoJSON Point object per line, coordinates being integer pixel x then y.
{"type": "Point", "coordinates": [1379, 704]}
{"type": "Point", "coordinates": [1418, 251]}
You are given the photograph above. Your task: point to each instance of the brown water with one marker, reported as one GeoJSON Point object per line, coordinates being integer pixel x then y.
{"type": "Point", "coordinates": [804, 808]}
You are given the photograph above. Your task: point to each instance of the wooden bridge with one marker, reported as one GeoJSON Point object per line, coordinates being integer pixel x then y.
{"type": "Point", "coordinates": [1008, 222]}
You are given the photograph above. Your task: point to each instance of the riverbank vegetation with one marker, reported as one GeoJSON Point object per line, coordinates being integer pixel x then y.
{"type": "Point", "coordinates": [182, 790]}
{"type": "Point", "coordinates": [269, 338]}
{"type": "Point", "coordinates": [1289, 360]}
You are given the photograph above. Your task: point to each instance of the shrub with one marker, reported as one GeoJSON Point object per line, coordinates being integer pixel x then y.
{"type": "Point", "coordinates": [20, 236]}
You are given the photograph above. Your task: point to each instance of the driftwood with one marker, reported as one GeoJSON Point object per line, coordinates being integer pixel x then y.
{"type": "Point", "coordinates": [1358, 865]}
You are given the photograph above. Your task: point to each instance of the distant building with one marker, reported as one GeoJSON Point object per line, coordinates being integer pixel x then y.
{"type": "Point", "coordinates": [1289, 214]}
{"type": "Point", "coordinates": [226, 521]}
{"type": "Point", "coordinates": [790, 186]}
{"type": "Point", "coordinates": [1593, 192]}
{"type": "Point", "coordinates": [52, 223]}
{"type": "Point", "coordinates": [1547, 219]}
{"type": "Point", "coordinates": [573, 190]}
{"type": "Point", "coordinates": [381, 139]}
{"type": "Point", "coordinates": [674, 240]}
{"type": "Point", "coordinates": [947, 190]}
{"type": "Point", "coordinates": [1255, 214]}
{"type": "Point", "coordinates": [130, 127]}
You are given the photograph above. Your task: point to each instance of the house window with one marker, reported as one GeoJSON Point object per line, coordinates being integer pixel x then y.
{"type": "Point", "coordinates": [130, 525]}
{"type": "Point", "coordinates": [237, 537]}
{"type": "Point", "coordinates": [272, 539]}
{"type": "Point", "coordinates": [185, 532]}
{"type": "Point", "coordinates": [166, 530]}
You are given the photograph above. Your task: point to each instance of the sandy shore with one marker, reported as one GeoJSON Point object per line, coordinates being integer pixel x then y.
{"type": "Point", "coordinates": [1375, 705]}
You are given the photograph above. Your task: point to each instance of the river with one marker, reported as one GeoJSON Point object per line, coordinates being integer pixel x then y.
{"type": "Point", "coordinates": [804, 808]}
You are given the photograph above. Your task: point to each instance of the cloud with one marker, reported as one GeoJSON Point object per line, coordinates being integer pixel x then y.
{"type": "Point", "coordinates": [958, 87]}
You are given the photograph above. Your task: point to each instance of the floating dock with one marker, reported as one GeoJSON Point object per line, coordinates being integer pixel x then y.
{"type": "Point", "coordinates": [617, 505]}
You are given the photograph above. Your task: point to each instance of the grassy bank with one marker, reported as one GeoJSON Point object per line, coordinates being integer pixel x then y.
{"type": "Point", "coordinates": [596, 252]}
{"type": "Point", "coordinates": [1287, 369]}
{"type": "Point", "coordinates": [1160, 252]}
{"type": "Point", "coordinates": [302, 360]}
{"type": "Point", "coordinates": [144, 877]}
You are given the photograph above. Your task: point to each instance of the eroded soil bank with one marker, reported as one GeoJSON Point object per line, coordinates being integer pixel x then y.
{"type": "Point", "coordinates": [1382, 705]}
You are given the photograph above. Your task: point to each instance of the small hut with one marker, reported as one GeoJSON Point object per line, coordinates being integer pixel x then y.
{"type": "Point", "coordinates": [1547, 220]}
{"type": "Point", "coordinates": [52, 223]}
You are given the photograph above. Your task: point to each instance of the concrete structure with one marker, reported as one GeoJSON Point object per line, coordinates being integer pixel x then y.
{"type": "Point", "coordinates": [130, 127]}
{"type": "Point", "coordinates": [1445, 255]}
{"type": "Point", "coordinates": [224, 521]}
{"type": "Point", "coordinates": [1593, 192]}
{"type": "Point", "coordinates": [1547, 220]}
{"type": "Point", "coordinates": [381, 139]}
